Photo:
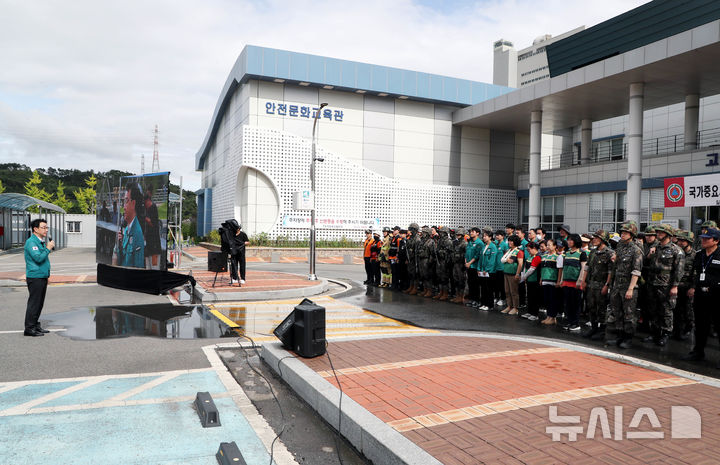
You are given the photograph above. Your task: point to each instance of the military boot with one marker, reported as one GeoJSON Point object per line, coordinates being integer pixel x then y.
{"type": "Point", "coordinates": [662, 339]}
{"type": "Point", "coordinates": [444, 296]}
{"type": "Point", "coordinates": [612, 338]}
{"type": "Point", "coordinates": [428, 293]}
{"type": "Point", "coordinates": [591, 331]}
{"type": "Point", "coordinates": [413, 290]}
{"type": "Point", "coordinates": [599, 335]}
{"type": "Point", "coordinates": [626, 342]}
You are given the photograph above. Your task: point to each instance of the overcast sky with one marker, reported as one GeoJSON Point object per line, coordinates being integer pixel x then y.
{"type": "Point", "coordinates": [83, 82]}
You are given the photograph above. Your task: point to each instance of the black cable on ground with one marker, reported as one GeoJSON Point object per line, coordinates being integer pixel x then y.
{"type": "Point", "coordinates": [272, 391]}
{"type": "Point", "coordinates": [339, 430]}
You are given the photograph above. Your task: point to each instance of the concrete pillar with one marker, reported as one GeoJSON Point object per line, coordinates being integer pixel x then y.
{"type": "Point", "coordinates": [692, 116]}
{"type": "Point", "coordinates": [634, 166]}
{"type": "Point", "coordinates": [535, 143]}
{"type": "Point", "coordinates": [585, 141]}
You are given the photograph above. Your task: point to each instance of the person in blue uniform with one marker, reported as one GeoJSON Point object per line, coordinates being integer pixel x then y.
{"type": "Point", "coordinates": [131, 242]}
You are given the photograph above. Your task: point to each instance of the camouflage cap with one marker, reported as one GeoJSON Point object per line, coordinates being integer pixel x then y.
{"type": "Point", "coordinates": [683, 235]}
{"type": "Point", "coordinates": [630, 226]}
{"type": "Point", "coordinates": [709, 224]}
{"type": "Point", "coordinates": [666, 228]}
{"type": "Point", "coordinates": [425, 230]}
{"type": "Point", "coordinates": [460, 232]}
{"type": "Point", "coordinates": [602, 235]}
{"type": "Point", "coordinates": [413, 226]}
{"type": "Point", "coordinates": [650, 229]}
{"type": "Point", "coordinates": [442, 229]}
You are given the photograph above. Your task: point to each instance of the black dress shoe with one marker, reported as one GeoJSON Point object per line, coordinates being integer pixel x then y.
{"type": "Point", "coordinates": [41, 330]}
{"type": "Point", "coordinates": [33, 333]}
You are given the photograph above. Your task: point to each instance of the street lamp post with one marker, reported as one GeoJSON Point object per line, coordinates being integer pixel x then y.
{"type": "Point", "coordinates": [312, 276]}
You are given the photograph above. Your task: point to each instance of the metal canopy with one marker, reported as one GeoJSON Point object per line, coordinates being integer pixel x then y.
{"type": "Point", "coordinates": [22, 202]}
{"type": "Point", "coordinates": [672, 68]}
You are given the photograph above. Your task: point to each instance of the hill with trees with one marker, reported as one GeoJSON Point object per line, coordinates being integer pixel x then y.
{"type": "Point", "coordinates": [74, 190]}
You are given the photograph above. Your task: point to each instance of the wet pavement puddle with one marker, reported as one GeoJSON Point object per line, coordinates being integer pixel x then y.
{"type": "Point", "coordinates": [157, 320]}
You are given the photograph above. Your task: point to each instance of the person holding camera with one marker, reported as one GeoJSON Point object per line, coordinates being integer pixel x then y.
{"type": "Point", "coordinates": [37, 272]}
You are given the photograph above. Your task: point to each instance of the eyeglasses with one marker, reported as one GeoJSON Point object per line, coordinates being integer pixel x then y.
{"type": "Point", "coordinates": [43, 227]}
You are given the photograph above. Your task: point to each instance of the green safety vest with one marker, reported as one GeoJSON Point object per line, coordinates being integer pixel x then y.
{"type": "Point", "coordinates": [548, 268]}
{"type": "Point", "coordinates": [511, 268]}
{"type": "Point", "coordinates": [571, 265]}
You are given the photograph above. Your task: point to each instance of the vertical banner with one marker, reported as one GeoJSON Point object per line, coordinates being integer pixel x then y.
{"type": "Point", "coordinates": [137, 225]}
{"type": "Point", "coordinates": [674, 192]}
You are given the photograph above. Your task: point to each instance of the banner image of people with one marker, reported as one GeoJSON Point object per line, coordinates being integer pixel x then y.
{"type": "Point", "coordinates": [132, 222]}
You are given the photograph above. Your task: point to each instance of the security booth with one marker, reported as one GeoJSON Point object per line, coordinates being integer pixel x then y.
{"type": "Point", "coordinates": [16, 212]}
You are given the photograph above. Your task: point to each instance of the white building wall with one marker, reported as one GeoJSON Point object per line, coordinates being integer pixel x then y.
{"type": "Point", "coordinates": [86, 236]}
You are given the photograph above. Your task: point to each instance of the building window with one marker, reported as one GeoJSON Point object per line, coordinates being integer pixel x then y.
{"type": "Point", "coordinates": [552, 214]}
{"type": "Point", "coordinates": [72, 226]}
{"type": "Point", "coordinates": [607, 211]}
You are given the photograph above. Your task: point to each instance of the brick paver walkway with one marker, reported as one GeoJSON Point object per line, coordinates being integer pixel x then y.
{"type": "Point", "coordinates": [255, 281]}
{"type": "Point", "coordinates": [201, 252]}
{"type": "Point", "coordinates": [468, 400]}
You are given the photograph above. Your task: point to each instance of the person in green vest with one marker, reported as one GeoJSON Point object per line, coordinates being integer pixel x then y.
{"type": "Point", "coordinates": [531, 275]}
{"type": "Point", "coordinates": [549, 282]}
{"type": "Point", "coordinates": [573, 265]}
{"type": "Point", "coordinates": [502, 247]}
{"type": "Point", "coordinates": [512, 266]}
{"type": "Point", "coordinates": [37, 271]}
{"type": "Point", "coordinates": [486, 271]}
{"type": "Point", "coordinates": [472, 257]}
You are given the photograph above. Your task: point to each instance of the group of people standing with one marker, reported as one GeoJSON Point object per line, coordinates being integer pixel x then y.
{"type": "Point", "coordinates": [663, 278]}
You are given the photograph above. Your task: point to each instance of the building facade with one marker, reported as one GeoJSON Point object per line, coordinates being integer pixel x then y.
{"type": "Point", "coordinates": [624, 115]}
{"type": "Point", "coordinates": [590, 142]}
{"type": "Point", "coordinates": [391, 153]}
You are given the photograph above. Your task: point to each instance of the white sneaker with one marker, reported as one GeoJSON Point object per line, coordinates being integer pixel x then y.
{"type": "Point", "coordinates": [484, 308]}
{"type": "Point", "coordinates": [532, 318]}
{"type": "Point", "coordinates": [233, 281]}
{"type": "Point", "coordinates": [242, 281]}
{"type": "Point", "coordinates": [501, 303]}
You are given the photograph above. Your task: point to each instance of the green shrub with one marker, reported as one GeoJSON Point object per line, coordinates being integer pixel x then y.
{"type": "Point", "coordinates": [214, 237]}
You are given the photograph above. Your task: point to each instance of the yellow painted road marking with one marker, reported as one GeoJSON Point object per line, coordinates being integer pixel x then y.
{"type": "Point", "coordinates": [224, 319]}
{"type": "Point", "coordinates": [258, 319]}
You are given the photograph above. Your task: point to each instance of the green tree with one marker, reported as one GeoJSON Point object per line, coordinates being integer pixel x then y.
{"type": "Point", "coordinates": [61, 199]}
{"type": "Point", "coordinates": [2, 188]}
{"type": "Point", "coordinates": [86, 196]}
{"type": "Point", "coordinates": [33, 189]}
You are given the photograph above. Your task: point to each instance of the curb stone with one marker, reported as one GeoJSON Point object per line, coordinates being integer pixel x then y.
{"type": "Point", "coordinates": [376, 440]}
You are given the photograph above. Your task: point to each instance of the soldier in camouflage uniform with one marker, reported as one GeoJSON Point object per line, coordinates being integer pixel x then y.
{"type": "Point", "coordinates": [667, 264]}
{"type": "Point", "coordinates": [597, 283]}
{"type": "Point", "coordinates": [426, 261]}
{"type": "Point", "coordinates": [649, 241]}
{"type": "Point", "coordinates": [412, 245]}
{"type": "Point", "coordinates": [459, 273]}
{"type": "Point", "coordinates": [624, 275]}
{"type": "Point", "coordinates": [684, 317]}
{"type": "Point", "coordinates": [444, 263]}
{"type": "Point", "coordinates": [703, 229]}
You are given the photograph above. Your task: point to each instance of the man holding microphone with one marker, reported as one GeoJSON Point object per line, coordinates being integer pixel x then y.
{"type": "Point", "coordinates": [37, 272]}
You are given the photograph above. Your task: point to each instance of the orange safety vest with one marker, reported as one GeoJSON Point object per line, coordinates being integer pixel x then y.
{"type": "Point", "coordinates": [368, 243]}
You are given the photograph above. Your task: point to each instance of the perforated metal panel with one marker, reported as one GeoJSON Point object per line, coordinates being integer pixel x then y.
{"type": "Point", "coordinates": [345, 189]}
